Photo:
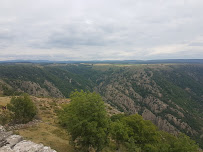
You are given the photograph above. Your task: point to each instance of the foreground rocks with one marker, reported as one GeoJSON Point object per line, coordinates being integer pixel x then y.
{"type": "Point", "coordinates": [16, 143]}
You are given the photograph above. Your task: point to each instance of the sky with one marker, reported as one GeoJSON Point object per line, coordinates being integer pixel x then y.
{"type": "Point", "coordinates": [66, 30]}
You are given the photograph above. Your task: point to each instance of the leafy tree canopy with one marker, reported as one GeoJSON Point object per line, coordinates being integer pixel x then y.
{"type": "Point", "coordinates": [86, 120]}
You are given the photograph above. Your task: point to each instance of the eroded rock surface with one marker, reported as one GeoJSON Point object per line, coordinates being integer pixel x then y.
{"type": "Point", "coordinates": [15, 143]}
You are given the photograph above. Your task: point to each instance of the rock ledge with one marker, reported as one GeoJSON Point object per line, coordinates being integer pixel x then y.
{"type": "Point", "coordinates": [15, 143]}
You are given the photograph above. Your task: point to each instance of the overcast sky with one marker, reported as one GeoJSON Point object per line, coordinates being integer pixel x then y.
{"type": "Point", "coordinates": [101, 29]}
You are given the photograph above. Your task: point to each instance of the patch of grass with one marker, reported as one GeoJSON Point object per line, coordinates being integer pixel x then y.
{"type": "Point", "coordinates": [48, 135]}
{"type": "Point", "coordinates": [4, 100]}
{"type": "Point", "coordinates": [60, 133]}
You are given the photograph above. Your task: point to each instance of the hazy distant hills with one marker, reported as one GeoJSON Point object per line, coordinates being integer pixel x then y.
{"type": "Point", "coordinates": [170, 95]}
{"type": "Point", "coordinates": [112, 61]}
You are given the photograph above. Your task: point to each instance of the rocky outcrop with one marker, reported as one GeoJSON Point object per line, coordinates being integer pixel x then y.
{"type": "Point", "coordinates": [21, 126]}
{"type": "Point", "coordinates": [29, 87]}
{"type": "Point", "coordinates": [47, 90]}
{"type": "Point", "coordinates": [121, 100]}
{"type": "Point", "coordinates": [182, 125]}
{"type": "Point", "coordinates": [53, 91]}
{"type": "Point", "coordinates": [15, 143]}
{"type": "Point", "coordinates": [155, 104]}
{"type": "Point", "coordinates": [162, 124]}
{"type": "Point", "coordinates": [135, 91]}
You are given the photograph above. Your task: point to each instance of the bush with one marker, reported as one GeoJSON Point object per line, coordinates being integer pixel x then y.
{"type": "Point", "coordinates": [5, 117]}
{"type": "Point", "coordinates": [22, 108]}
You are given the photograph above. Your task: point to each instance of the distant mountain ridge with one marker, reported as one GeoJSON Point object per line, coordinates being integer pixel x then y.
{"type": "Point", "coordinates": [111, 61]}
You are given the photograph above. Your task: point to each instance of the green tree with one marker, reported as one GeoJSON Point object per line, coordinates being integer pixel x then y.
{"type": "Point", "coordinates": [119, 132]}
{"type": "Point", "coordinates": [143, 131]}
{"type": "Point", "coordinates": [171, 143]}
{"type": "Point", "coordinates": [134, 132]}
{"type": "Point", "coordinates": [86, 120]}
{"type": "Point", "coordinates": [22, 108]}
{"type": "Point", "coordinates": [137, 134]}
{"type": "Point", "coordinates": [183, 143]}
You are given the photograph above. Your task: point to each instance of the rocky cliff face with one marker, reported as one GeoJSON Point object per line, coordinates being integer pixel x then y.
{"type": "Point", "coordinates": [16, 143]}
{"type": "Point", "coordinates": [164, 102]}
{"type": "Point", "coordinates": [126, 93]}
{"type": "Point", "coordinates": [32, 88]}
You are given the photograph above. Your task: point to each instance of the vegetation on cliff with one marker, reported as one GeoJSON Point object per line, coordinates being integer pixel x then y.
{"type": "Point", "coordinates": [86, 120]}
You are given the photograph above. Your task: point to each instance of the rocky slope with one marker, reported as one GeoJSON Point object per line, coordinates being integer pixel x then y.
{"type": "Point", "coordinates": [38, 80]}
{"type": "Point", "coordinates": [170, 95]}
{"type": "Point", "coordinates": [150, 92]}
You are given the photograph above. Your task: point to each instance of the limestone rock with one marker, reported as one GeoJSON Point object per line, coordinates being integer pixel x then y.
{"type": "Point", "coordinates": [3, 136]}
{"type": "Point", "coordinates": [13, 140]}
{"type": "Point", "coordinates": [2, 129]}
{"type": "Point", "coordinates": [6, 149]}
{"type": "Point", "coordinates": [161, 123]}
{"type": "Point", "coordinates": [27, 146]}
{"type": "Point", "coordinates": [46, 149]}
{"type": "Point", "coordinates": [15, 143]}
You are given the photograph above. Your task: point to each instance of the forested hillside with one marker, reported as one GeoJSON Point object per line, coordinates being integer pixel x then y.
{"type": "Point", "coordinates": [170, 95]}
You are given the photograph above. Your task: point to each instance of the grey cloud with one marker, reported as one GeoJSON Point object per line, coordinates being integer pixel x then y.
{"type": "Point", "coordinates": [94, 29]}
{"type": "Point", "coordinates": [88, 35]}
{"type": "Point", "coordinates": [196, 44]}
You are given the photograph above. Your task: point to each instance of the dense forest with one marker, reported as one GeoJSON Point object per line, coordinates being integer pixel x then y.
{"type": "Point", "coordinates": [170, 95]}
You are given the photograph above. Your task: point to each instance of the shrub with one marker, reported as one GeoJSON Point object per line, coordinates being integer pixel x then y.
{"type": "Point", "coordinates": [5, 117]}
{"type": "Point", "coordinates": [22, 108]}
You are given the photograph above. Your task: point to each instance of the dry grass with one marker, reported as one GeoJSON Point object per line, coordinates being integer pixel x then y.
{"type": "Point", "coordinates": [48, 132]}
{"type": "Point", "coordinates": [4, 100]}
{"type": "Point", "coordinates": [49, 135]}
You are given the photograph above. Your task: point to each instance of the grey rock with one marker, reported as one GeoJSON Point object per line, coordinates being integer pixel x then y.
{"type": "Point", "coordinates": [27, 146]}
{"type": "Point", "coordinates": [13, 140]}
{"type": "Point", "coordinates": [3, 136]}
{"type": "Point", "coordinates": [2, 129]}
{"type": "Point", "coordinates": [46, 149]}
{"type": "Point", "coordinates": [6, 149]}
